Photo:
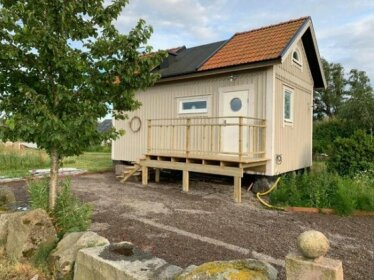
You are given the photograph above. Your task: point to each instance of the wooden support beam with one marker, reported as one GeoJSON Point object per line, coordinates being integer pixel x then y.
{"type": "Point", "coordinates": [144, 175]}
{"type": "Point", "coordinates": [157, 175]}
{"type": "Point", "coordinates": [149, 136]}
{"type": "Point", "coordinates": [238, 189]}
{"type": "Point", "coordinates": [186, 181]}
{"type": "Point", "coordinates": [194, 167]}
{"type": "Point", "coordinates": [240, 138]}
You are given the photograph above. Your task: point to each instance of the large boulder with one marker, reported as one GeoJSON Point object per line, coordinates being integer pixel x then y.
{"type": "Point", "coordinates": [4, 220]}
{"type": "Point", "coordinates": [7, 197]}
{"type": "Point", "coordinates": [28, 231]}
{"type": "Point", "coordinates": [62, 259]}
{"type": "Point", "coordinates": [236, 269]}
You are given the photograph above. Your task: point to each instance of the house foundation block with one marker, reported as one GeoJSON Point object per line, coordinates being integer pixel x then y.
{"type": "Point", "coordinates": [301, 268]}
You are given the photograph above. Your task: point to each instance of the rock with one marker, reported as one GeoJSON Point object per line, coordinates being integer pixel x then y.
{"type": "Point", "coordinates": [262, 185]}
{"type": "Point", "coordinates": [313, 244]}
{"type": "Point", "coordinates": [62, 259]}
{"type": "Point", "coordinates": [27, 231]}
{"type": "Point", "coordinates": [236, 269]}
{"type": "Point", "coordinates": [121, 261]}
{"type": "Point", "coordinates": [7, 197]}
{"type": "Point", "coordinates": [168, 272]}
{"type": "Point", "coordinates": [4, 219]}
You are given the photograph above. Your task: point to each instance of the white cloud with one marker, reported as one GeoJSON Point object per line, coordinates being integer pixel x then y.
{"type": "Point", "coordinates": [351, 44]}
{"type": "Point", "coordinates": [345, 30]}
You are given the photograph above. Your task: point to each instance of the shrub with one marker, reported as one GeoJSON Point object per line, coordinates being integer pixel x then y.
{"type": "Point", "coordinates": [345, 201]}
{"type": "Point", "coordinates": [326, 131]}
{"type": "Point", "coordinates": [352, 155]}
{"type": "Point", "coordinates": [40, 259]}
{"type": "Point", "coordinates": [308, 190]}
{"type": "Point", "coordinates": [326, 190]}
{"type": "Point", "coordinates": [38, 194]}
{"type": "Point", "coordinates": [69, 214]}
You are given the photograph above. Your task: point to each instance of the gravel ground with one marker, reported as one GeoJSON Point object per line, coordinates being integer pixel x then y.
{"type": "Point", "coordinates": [206, 225]}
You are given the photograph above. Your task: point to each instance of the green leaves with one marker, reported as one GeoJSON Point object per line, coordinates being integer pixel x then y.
{"type": "Point", "coordinates": [51, 91]}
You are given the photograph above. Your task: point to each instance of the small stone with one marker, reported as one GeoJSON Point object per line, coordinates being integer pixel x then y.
{"type": "Point", "coordinates": [313, 244]}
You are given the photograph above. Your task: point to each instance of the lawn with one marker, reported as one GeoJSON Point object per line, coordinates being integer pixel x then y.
{"type": "Point", "coordinates": [17, 163]}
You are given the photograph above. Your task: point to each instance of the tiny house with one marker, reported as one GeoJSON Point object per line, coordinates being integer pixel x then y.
{"type": "Point", "coordinates": [243, 105]}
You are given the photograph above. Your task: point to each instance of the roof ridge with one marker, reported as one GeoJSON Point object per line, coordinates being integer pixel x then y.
{"type": "Point", "coordinates": [273, 25]}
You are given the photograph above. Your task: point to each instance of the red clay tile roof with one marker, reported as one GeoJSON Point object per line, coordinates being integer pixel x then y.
{"type": "Point", "coordinates": [256, 45]}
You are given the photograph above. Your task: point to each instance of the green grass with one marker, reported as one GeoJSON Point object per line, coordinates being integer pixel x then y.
{"type": "Point", "coordinates": [92, 162]}
{"type": "Point", "coordinates": [17, 163]}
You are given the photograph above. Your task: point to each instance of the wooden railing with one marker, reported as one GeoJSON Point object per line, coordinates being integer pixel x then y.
{"type": "Point", "coordinates": [215, 136]}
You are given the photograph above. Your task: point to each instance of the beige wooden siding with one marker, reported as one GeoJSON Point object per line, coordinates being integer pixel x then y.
{"type": "Point", "coordinates": [161, 101]}
{"type": "Point", "coordinates": [293, 142]}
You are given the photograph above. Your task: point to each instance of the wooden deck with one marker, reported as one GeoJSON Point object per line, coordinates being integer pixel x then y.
{"type": "Point", "coordinates": [205, 145]}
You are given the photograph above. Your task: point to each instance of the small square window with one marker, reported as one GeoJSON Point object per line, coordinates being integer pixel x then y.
{"type": "Point", "coordinates": [288, 105]}
{"type": "Point", "coordinates": [193, 105]}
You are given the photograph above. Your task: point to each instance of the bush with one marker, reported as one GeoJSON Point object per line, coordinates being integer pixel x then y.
{"type": "Point", "coordinates": [352, 155]}
{"type": "Point", "coordinates": [326, 131]}
{"type": "Point", "coordinates": [69, 214]}
{"type": "Point", "coordinates": [308, 190]}
{"type": "Point", "coordinates": [38, 194]}
{"type": "Point", "coordinates": [326, 190]}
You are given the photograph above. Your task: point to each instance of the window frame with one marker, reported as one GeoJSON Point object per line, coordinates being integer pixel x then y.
{"type": "Point", "coordinates": [183, 100]}
{"type": "Point", "coordinates": [297, 62]}
{"type": "Point", "coordinates": [289, 120]}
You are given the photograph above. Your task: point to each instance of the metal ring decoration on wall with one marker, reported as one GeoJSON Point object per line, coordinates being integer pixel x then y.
{"type": "Point", "coordinates": [135, 124]}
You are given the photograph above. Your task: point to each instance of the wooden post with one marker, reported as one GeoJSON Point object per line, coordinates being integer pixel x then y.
{"type": "Point", "coordinates": [157, 175]}
{"type": "Point", "coordinates": [264, 139]}
{"type": "Point", "coordinates": [186, 181]}
{"type": "Point", "coordinates": [240, 138]}
{"type": "Point", "coordinates": [238, 189]}
{"type": "Point", "coordinates": [149, 137]}
{"type": "Point", "coordinates": [172, 139]}
{"type": "Point", "coordinates": [188, 137]}
{"type": "Point", "coordinates": [211, 137]}
{"type": "Point", "coordinates": [144, 175]}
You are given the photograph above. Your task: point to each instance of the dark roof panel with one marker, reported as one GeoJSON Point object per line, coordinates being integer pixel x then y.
{"type": "Point", "coordinates": [188, 60]}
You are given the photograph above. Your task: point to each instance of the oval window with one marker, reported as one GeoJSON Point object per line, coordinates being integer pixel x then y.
{"type": "Point", "coordinates": [235, 104]}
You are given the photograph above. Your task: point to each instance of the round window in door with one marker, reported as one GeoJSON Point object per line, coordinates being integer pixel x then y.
{"type": "Point", "coordinates": [235, 104]}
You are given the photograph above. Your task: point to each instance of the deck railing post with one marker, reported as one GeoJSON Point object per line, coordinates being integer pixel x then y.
{"type": "Point", "coordinates": [264, 138]}
{"type": "Point", "coordinates": [149, 136]}
{"type": "Point", "coordinates": [188, 137]}
{"type": "Point", "coordinates": [240, 138]}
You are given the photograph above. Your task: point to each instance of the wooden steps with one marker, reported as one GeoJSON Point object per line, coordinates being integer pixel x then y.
{"type": "Point", "coordinates": [129, 171]}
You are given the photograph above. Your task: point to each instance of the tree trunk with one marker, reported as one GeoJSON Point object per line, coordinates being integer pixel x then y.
{"type": "Point", "coordinates": [54, 179]}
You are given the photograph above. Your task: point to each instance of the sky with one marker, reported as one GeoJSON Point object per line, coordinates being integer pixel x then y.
{"type": "Point", "coordinates": [344, 28]}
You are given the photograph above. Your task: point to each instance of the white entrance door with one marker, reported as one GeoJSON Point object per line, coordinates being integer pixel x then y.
{"type": "Point", "coordinates": [233, 104]}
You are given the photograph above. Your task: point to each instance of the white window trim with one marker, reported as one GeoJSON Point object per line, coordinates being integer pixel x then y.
{"type": "Point", "coordinates": [291, 119]}
{"type": "Point", "coordinates": [193, 99]}
{"type": "Point", "coordinates": [297, 63]}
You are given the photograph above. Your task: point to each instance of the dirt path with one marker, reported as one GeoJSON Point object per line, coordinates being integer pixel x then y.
{"type": "Point", "coordinates": [205, 224]}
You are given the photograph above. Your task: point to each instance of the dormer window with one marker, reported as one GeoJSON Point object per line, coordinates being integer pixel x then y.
{"type": "Point", "coordinates": [296, 58]}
